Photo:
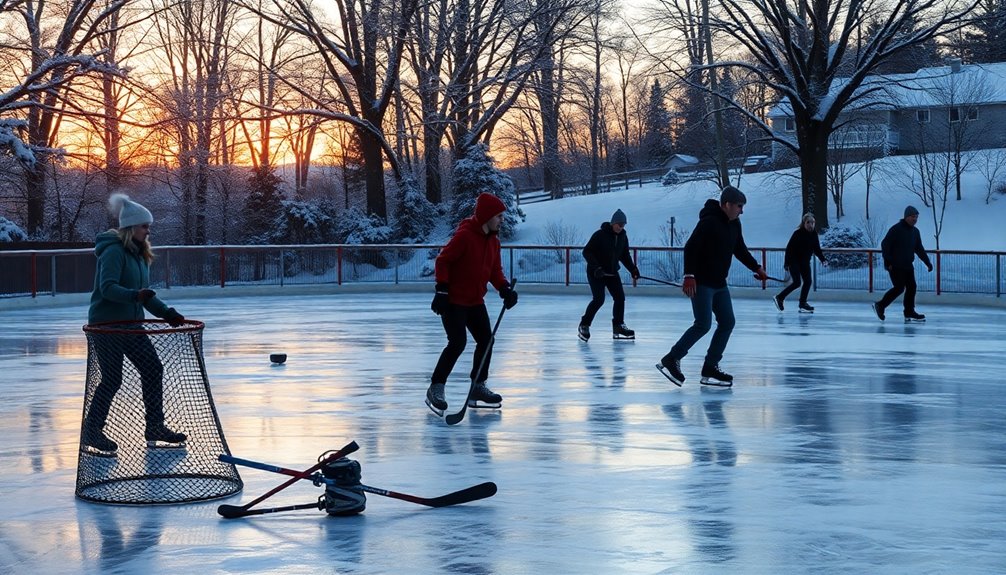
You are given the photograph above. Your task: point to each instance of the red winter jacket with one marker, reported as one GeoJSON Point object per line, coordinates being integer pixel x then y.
{"type": "Point", "coordinates": [472, 258]}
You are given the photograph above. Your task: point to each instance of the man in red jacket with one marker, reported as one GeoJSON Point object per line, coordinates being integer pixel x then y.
{"type": "Point", "coordinates": [469, 261]}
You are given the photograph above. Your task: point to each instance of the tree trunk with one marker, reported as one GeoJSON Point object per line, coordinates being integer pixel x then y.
{"type": "Point", "coordinates": [814, 171]}
{"type": "Point", "coordinates": [373, 167]}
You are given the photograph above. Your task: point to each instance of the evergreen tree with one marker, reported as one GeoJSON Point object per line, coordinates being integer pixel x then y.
{"type": "Point", "coordinates": [476, 173]}
{"type": "Point", "coordinates": [263, 206]}
{"type": "Point", "coordinates": [693, 134]}
{"type": "Point", "coordinates": [657, 144]}
{"type": "Point", "coordinates": [984, 41]}
{"type": "Point", "coordinates": [416, 215]}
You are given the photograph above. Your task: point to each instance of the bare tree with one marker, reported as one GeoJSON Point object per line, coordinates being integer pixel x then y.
{"type": "Point", "coordinates": [56, 47]}
{"type": "Point", "coordinates": [814, 54]}
{"type": "Point", "coordinates": [991, 164]}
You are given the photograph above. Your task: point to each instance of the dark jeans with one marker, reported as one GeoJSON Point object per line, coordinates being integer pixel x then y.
{"type": "Point", "coordinates": [902, 280]}
{"type": "Point", "coordinates": [708, 301]}
{"type": "Point", "coordinates": [456, 320]}
{"type": "Point", "coordinates": [111, 348]}
{"type": "Point", "coordinates": [801, 275]}
{"type": "Point", "coordinates": [613, 284]}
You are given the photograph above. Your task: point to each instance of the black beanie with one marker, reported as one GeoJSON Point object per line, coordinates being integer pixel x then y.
{"type": "Point", "coordinates": [732, 195]}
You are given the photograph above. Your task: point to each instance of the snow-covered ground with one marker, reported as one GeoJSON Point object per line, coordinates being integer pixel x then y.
{"type": "Point", "coordinates": [846, 446]}
{"type": "Point", "coordinates": [773, 210]}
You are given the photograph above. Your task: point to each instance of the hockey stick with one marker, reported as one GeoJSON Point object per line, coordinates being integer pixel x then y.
{"type": "Point", "coordinates": [771, 278]}
{"type": "Point", "coordinates": [320, 504]}
{"type": "Point", "coordinates": [473, 493]}
{"type": "Point", "coordinates": [233, 511]}
{"type": "Point", "coordinates": [455, 418]}
{"type": "Point", "coordinates": [660, 281]}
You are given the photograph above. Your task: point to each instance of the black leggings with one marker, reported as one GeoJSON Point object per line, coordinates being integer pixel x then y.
{"type": "Point", "coordinates": [111, 349]}
{"type": "Point", "coordinates": [456, 320]}
{"type": "Point", "coordinates": [801, 275]}
{"type": "Point", "coordinates": [613, 284]}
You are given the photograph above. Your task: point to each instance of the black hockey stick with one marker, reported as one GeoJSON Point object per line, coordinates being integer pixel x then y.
{"type": "Point", "coordinates": [660, 281]}
{"type": "Point", "coordinates": [455, 418]}
{"type": "Point", "coordinates": [473, 493]}
{"type": "Point", "coordinates": [320, 504]}
{"type": "Point", "coordinates": [233, 511]}
{"type": "Point", "coordinates": [771, 278]}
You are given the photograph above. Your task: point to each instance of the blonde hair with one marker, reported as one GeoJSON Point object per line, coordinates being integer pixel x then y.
{"type": "Point", "coordinates": [806, 217]}
{"type": "Point", "coordinates": [144, 249]}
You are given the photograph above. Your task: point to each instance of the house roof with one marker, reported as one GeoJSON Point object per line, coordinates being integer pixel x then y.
{"type": "Point", "coordinates": [938, 86]}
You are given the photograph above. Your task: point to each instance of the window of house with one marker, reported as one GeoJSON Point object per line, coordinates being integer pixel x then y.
{"type": "Point", "coordinates": [789, 125]}
{"type": "Point", "coordinates": [922, 116]}
{"type": "Point", "coordinates": [971, 114]}
{"type": "Point", "coordinates": [955, 114]}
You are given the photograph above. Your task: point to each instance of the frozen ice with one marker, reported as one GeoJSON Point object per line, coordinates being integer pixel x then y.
{"type": "Point", "coordinates": [846, 445]}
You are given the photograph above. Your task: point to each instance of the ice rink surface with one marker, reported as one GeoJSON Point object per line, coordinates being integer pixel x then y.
{"type": "Point", "coordinates": [847, 445]}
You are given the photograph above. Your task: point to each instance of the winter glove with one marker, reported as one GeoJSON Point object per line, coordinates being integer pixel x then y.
{"type": "Point", "coordinates": [441, 301]}
{"type": "Point", "coordinates": [760, 275]}
{"type": "Point", "coordinates": [689, 286]}
{"type": "Point", "coordinates": [599, 273]}
{"type": "Point", "coordinates": [635, 273]}
{"type": "Point", "coordinates": [144, 294]}
{"type": "Point", "coordinates": [508, 295]}
{"type": "Point", "coordinates": [174, 318]}
{"type": "Point", "coordinates": [929, 267]}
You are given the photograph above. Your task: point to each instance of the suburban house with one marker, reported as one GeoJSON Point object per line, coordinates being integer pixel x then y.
{"type": "Point", "coordinates": [959, 107]}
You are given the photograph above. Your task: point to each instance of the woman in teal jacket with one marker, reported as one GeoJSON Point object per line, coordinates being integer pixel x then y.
{"type": "Point", "coordinates": [121, 293]}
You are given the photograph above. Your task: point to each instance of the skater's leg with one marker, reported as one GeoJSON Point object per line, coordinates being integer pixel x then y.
{"type": "Point", "coordinates": [897, 287]}
{"type": "Point", "coordinates": [454, 321]}
{"type": "Point", "coordinates": [791, 287]}
{"type": "Point", "coordinates": [478, 325]}
{"type": "Point", "coordinates": [807, 279]}
{"type": "Point", "coordinates": [142, 354]}
{"type": "Point", "coordinates": [723, 309]}
{"type": "Point", "coordinates": [597, 294]}
{"type": "Point", "coordinates": [617, 299]}
{"type": "Point", "coordinates": [702, 303]}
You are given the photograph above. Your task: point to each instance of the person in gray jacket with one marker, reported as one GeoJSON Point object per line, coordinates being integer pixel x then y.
{"type": "Point", "coordinates": [900, 246]}
{"type": "Point", "coordinates": [121, 294]}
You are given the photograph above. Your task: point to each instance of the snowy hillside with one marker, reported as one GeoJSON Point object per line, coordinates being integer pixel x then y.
{"type": "Point", "coordinates": [773, 210]}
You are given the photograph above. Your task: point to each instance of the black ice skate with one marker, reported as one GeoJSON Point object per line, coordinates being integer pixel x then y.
{"type": "Point", "coordinates": [806, 307]}
{"type": "Point", "coordinates": [435, 399]}
{"type": "Point", "coordinates": [915, 316]}
{"type": "Point", "coordinates": [620, 331]}
{"type": "Point", "coordinates": [162, 437]}
{"type": "Point", "coordinates": [671, 369]}
{"type": "Point", "coordinates": [482, 396]}
{"type": "Point", "coordinates": [713, 375]}
{"type": "Point", "coordinates": [583, 332]}
{"type": "Point", "coordinates": [778, 302]}
{"type": "Point", "coordinates": [98, 444]}
{"type": "Point", "coordinates": [879, 310]}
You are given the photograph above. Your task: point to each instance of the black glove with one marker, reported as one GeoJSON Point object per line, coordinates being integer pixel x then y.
{"type": "Point", "coordinates": [144, 294]}
{"type": "Point", "coordinates": [174, 318]}
{"type": "Point", "coordinates": [635, 273]}
{"type": "Point", "coordinates": [508, 295]}
{"type": "Point", "coordinates": [441, 301]}
{"type": "Point", "coordinates": [929, 267]}
{"type": "Point", "coordinates": [599, 273]}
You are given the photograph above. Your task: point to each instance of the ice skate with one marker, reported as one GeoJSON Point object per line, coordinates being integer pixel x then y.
{"type": "Point", "coordinates": [879, 310]}
{"type": "Point", "coordinates": [671, 369]}
{"type": "Point", "coordinates": [806, 307]}
{"type": "Point", "coordinates": [435, 399]}
{"type": "Point", "coordinates": [162, 437]}
{"type": "Point", "coordinates": [98, 444]}
{"type": "Point", "coordinates": [483, 397]}
{"type": "Point", "coordinates": [713, 375]}
{"type": "Point", "coordinates": [914, 316]}
{"type": "Point", "coordinates": [620, 331]}
{"type": "Point", "coordinates": [583, 332]}
{"type": "Point", "coordinates": [778, 302]}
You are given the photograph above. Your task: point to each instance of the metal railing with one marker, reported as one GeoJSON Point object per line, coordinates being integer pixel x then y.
{"type": "Point", "coordinates": [30, 273]}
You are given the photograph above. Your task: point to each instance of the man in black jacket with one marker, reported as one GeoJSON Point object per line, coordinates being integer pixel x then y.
{"type": "Point", "coordinates": [900, 246]}
{"type": "Point", "coordinates": [608, 246]}
{"type": "Point", "coordinates": [714, 242]}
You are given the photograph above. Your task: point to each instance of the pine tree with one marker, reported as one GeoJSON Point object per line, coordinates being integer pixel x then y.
{"type": "Point", "coordinates": [657, 144]}
{"type": "Point", "coordinates": [264, 204]}
{"type": "Point", "coordinates": [985, 40]}
{"type": "Point", "coordinates": [416, 215]}
{"type": "Point", "coordinates": [476, 173]}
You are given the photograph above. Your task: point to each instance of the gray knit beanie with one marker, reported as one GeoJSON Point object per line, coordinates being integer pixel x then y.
{"type": "Point", "coordinates": [618, 217]}
{"type": "Point", "coordinates": [732, 195]}
{"type": "Point", "coordinates": [911, 211]}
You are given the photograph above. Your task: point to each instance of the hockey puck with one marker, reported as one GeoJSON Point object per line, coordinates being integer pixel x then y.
{"type": "Point", "coordinates": [277, 357]}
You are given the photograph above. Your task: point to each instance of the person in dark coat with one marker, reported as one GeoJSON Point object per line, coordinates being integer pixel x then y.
{"type": "Point", "coordinates": [606, 248]}
{"type": "Point", "coordinates": [900, 246]}
{"type": "Point", "coordinates": [121, 294]}
{"type": "Point", "coordinates": [803, 244]}
{"type": "Point", "coordinates": [713, 244]}
{"type": "Point", "coordinates": [469, 261]}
